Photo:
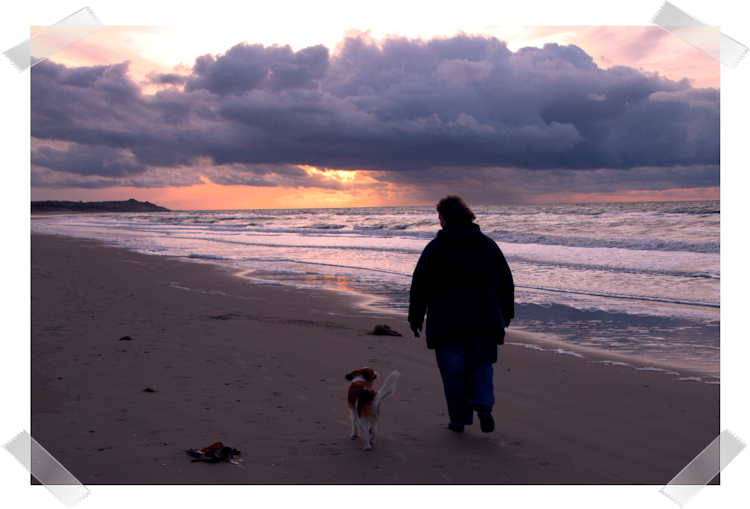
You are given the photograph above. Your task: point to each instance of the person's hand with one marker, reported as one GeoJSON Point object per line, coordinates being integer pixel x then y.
{"type": "Point", "coordinates": [416, 328]}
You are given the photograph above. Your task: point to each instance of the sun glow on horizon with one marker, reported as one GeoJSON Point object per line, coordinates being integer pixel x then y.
{"type": "Point", "coordinates": [342, 176]}
{"type": "Point", "coordinates": [212, 196]}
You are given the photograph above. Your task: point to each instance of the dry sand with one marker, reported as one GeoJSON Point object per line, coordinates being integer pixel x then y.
{"type": "Point", "coordinates": [261, 369]}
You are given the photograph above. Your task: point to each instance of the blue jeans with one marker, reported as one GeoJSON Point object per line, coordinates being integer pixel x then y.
{"type": "Point", "coordinates": [466, 369]}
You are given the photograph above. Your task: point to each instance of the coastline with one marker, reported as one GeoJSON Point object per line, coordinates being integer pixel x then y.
{"type": "Point", "coordinates": [678, 338]}
{"type": "Point", "coordinates": [213, 339]}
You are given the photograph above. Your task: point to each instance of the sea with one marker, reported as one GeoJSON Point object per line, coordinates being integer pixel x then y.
{"type": "Point", "coordinates": [637, 281]}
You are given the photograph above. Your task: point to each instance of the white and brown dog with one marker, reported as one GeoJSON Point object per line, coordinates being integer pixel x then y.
{"type": "Point", "coordinates": [364, 403]}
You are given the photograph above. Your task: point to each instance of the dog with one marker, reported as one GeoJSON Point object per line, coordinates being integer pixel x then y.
{"type": "Point", "coordinates": [364, 402]}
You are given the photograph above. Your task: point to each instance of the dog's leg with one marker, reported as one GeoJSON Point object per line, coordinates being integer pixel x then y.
{"type": "Point", "coordinates": [353, 415]}
{"type": "Point", "coordinates": [372, 433]}
{"type": "Point", "coordinates": [365, 434]}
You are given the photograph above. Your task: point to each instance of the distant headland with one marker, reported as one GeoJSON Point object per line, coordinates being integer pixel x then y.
{"type": "Point", "coordinates": [75, 207]}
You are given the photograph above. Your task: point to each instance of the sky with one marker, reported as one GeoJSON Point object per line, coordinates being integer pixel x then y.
{"type": "Point", "coordinates": [373, 117]}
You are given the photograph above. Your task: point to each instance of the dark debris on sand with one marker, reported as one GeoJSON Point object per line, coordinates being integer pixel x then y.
{"type": "Point", "coordinates": [214, 453]}
{"type": "Point", "coordinates": [384, 330]}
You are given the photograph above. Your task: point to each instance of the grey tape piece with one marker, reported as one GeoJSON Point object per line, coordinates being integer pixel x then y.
{"type": "Point", "coordinates": [47, 470]}
{"type": "Point", "coordinates": [703, 468]}
{"type": "Point", "coordinates": [699, 35]}
{"type": "Point", "coordinates": [53, 39]}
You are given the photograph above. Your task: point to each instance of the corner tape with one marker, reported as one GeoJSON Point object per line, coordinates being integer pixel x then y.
{"type": "Point", "coordinates": [53, 39]}
{"type": "Point", "coordinates": [703, 468]}
{"type": "Point", "coordinates": [47, 470]}
{"type": "Point", "coordinates": [699, 35]}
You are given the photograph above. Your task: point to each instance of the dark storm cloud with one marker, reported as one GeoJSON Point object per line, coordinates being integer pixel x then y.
{"type": "Point", "coordinates": [97, 160]}
{"type": "Point", "coordinates": [691, 94]}
{"type": "Point", "coordinates": [156, 78]}
{"type": "Point", "coordinates": [45, 178]}
{"type": "Point", "coordinates": [245, 67]}
{"type": "Point", "coordinates": [508, 185]}
{"type": "Point", "coordinates": [396, 105]}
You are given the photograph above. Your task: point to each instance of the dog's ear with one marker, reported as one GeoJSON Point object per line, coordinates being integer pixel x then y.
{"type": "Point", "coordinates": [349, 376]}
{"type": "Point", "coordinates": [369, 374]}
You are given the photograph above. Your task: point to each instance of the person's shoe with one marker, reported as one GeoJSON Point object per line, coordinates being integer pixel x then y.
{"type": "Point", "coordinates": [485, 419]}
{"type": "Point", "coordinates": [458, 428]}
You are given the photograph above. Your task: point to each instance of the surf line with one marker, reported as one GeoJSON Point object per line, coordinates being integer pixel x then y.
{"type": "Point", "coordinates": [556, 290]}
{"type": "Point", "coordinates": [630, 297]}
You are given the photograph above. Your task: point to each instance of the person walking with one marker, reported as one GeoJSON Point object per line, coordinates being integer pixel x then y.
{"type": "Point", "coordinates": [463, 282]}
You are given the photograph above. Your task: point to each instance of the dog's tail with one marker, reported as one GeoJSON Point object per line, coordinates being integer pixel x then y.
{"type": "Point", "coordinates": [388, 389]}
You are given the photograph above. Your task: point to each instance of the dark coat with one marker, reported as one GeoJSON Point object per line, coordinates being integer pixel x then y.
{"type": "Point", "coordinates": [464, 284]}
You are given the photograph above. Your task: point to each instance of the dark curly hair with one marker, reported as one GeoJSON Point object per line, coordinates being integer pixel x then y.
{"type": "Point", "coordinates": [454, 209]}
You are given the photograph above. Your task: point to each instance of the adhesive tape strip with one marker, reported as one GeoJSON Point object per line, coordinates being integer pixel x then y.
{"type": "Point", "coordinates": [53, 39]}
{"type": "Point", "coordinates": [703, 468]}
{"type": "Point", "coordinates": [47, 470]}
{"type": "Point", "coordinates": [699, 35]}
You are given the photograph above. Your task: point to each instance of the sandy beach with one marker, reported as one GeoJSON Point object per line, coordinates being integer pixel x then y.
{"type": "Point", "coordinates": [261, 369]}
